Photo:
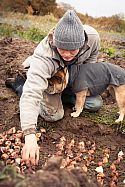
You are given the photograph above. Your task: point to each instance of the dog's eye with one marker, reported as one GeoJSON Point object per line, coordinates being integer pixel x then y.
{"type": "Point", "coordinates": [59, 80]}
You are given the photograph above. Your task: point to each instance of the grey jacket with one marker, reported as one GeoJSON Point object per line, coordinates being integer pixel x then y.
{"type": "Point", "coordinates": [43, 64]}
{"type": "Point", "coordinates": [96, 77]}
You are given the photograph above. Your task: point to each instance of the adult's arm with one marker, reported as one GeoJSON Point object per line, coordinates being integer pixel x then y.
{"type": "Point", "coordinates": [40, 70]}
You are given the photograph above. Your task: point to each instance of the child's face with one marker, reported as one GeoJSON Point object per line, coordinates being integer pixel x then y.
{"type": "Point", "coordinates": [67, 55]}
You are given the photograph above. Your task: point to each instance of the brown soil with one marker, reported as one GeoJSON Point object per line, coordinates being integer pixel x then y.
{"type": "Point", "coordinates": [12, 54]}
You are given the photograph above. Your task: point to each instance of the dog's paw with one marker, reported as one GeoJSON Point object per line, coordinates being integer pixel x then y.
{"type": "Point", "coordinates": [75, 114]}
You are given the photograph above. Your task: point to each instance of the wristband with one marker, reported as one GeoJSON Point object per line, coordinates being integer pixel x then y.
{"type": "Point", "coordinates": [29, 131]}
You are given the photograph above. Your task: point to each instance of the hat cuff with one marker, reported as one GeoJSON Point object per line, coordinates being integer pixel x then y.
{"type": "Point", "coordinates": [68, 45]}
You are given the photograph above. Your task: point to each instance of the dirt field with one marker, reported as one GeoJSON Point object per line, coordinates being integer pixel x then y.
{"type": "Point", "coordinates": [12, 54]}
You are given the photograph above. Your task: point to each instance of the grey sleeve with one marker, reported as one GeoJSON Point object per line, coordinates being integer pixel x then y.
{"type": "Point", "coordinates": [36, 83]}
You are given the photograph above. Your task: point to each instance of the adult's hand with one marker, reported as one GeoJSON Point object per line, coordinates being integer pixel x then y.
{"type": "Point", "coordinates": [30, 152]}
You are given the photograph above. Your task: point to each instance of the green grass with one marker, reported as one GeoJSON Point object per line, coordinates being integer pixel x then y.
{"type": "Point", "coordinates": [123, 54]}
{"type": "Point", "coordinates": [32, 34]}
{"type": "Point", "coordinates": [110, 51]}
{"type": "Point", "coordinates": [107, 116]}
{"type": "Point", "coordinates": [104, 116]}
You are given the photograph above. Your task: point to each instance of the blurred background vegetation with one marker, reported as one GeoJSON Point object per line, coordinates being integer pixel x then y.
{"type": "Point", "coordinates": [33, 19]}
{"type": "Point", "coordinates": [50, 7]}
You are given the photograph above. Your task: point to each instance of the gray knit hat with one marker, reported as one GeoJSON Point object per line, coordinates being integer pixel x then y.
{"type": "Point", "coordinates": [69, 32]}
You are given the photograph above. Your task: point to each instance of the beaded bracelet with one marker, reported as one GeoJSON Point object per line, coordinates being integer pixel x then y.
{"type": "Point", "coordinates": [29, 131]}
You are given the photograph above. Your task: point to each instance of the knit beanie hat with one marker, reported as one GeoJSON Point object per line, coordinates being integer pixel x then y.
{"type": "Point", "coordinates": [69, 32]}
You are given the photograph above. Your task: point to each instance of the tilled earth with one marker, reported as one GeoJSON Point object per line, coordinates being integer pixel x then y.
{"type": "Point", "coordinates": [81, 129]}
